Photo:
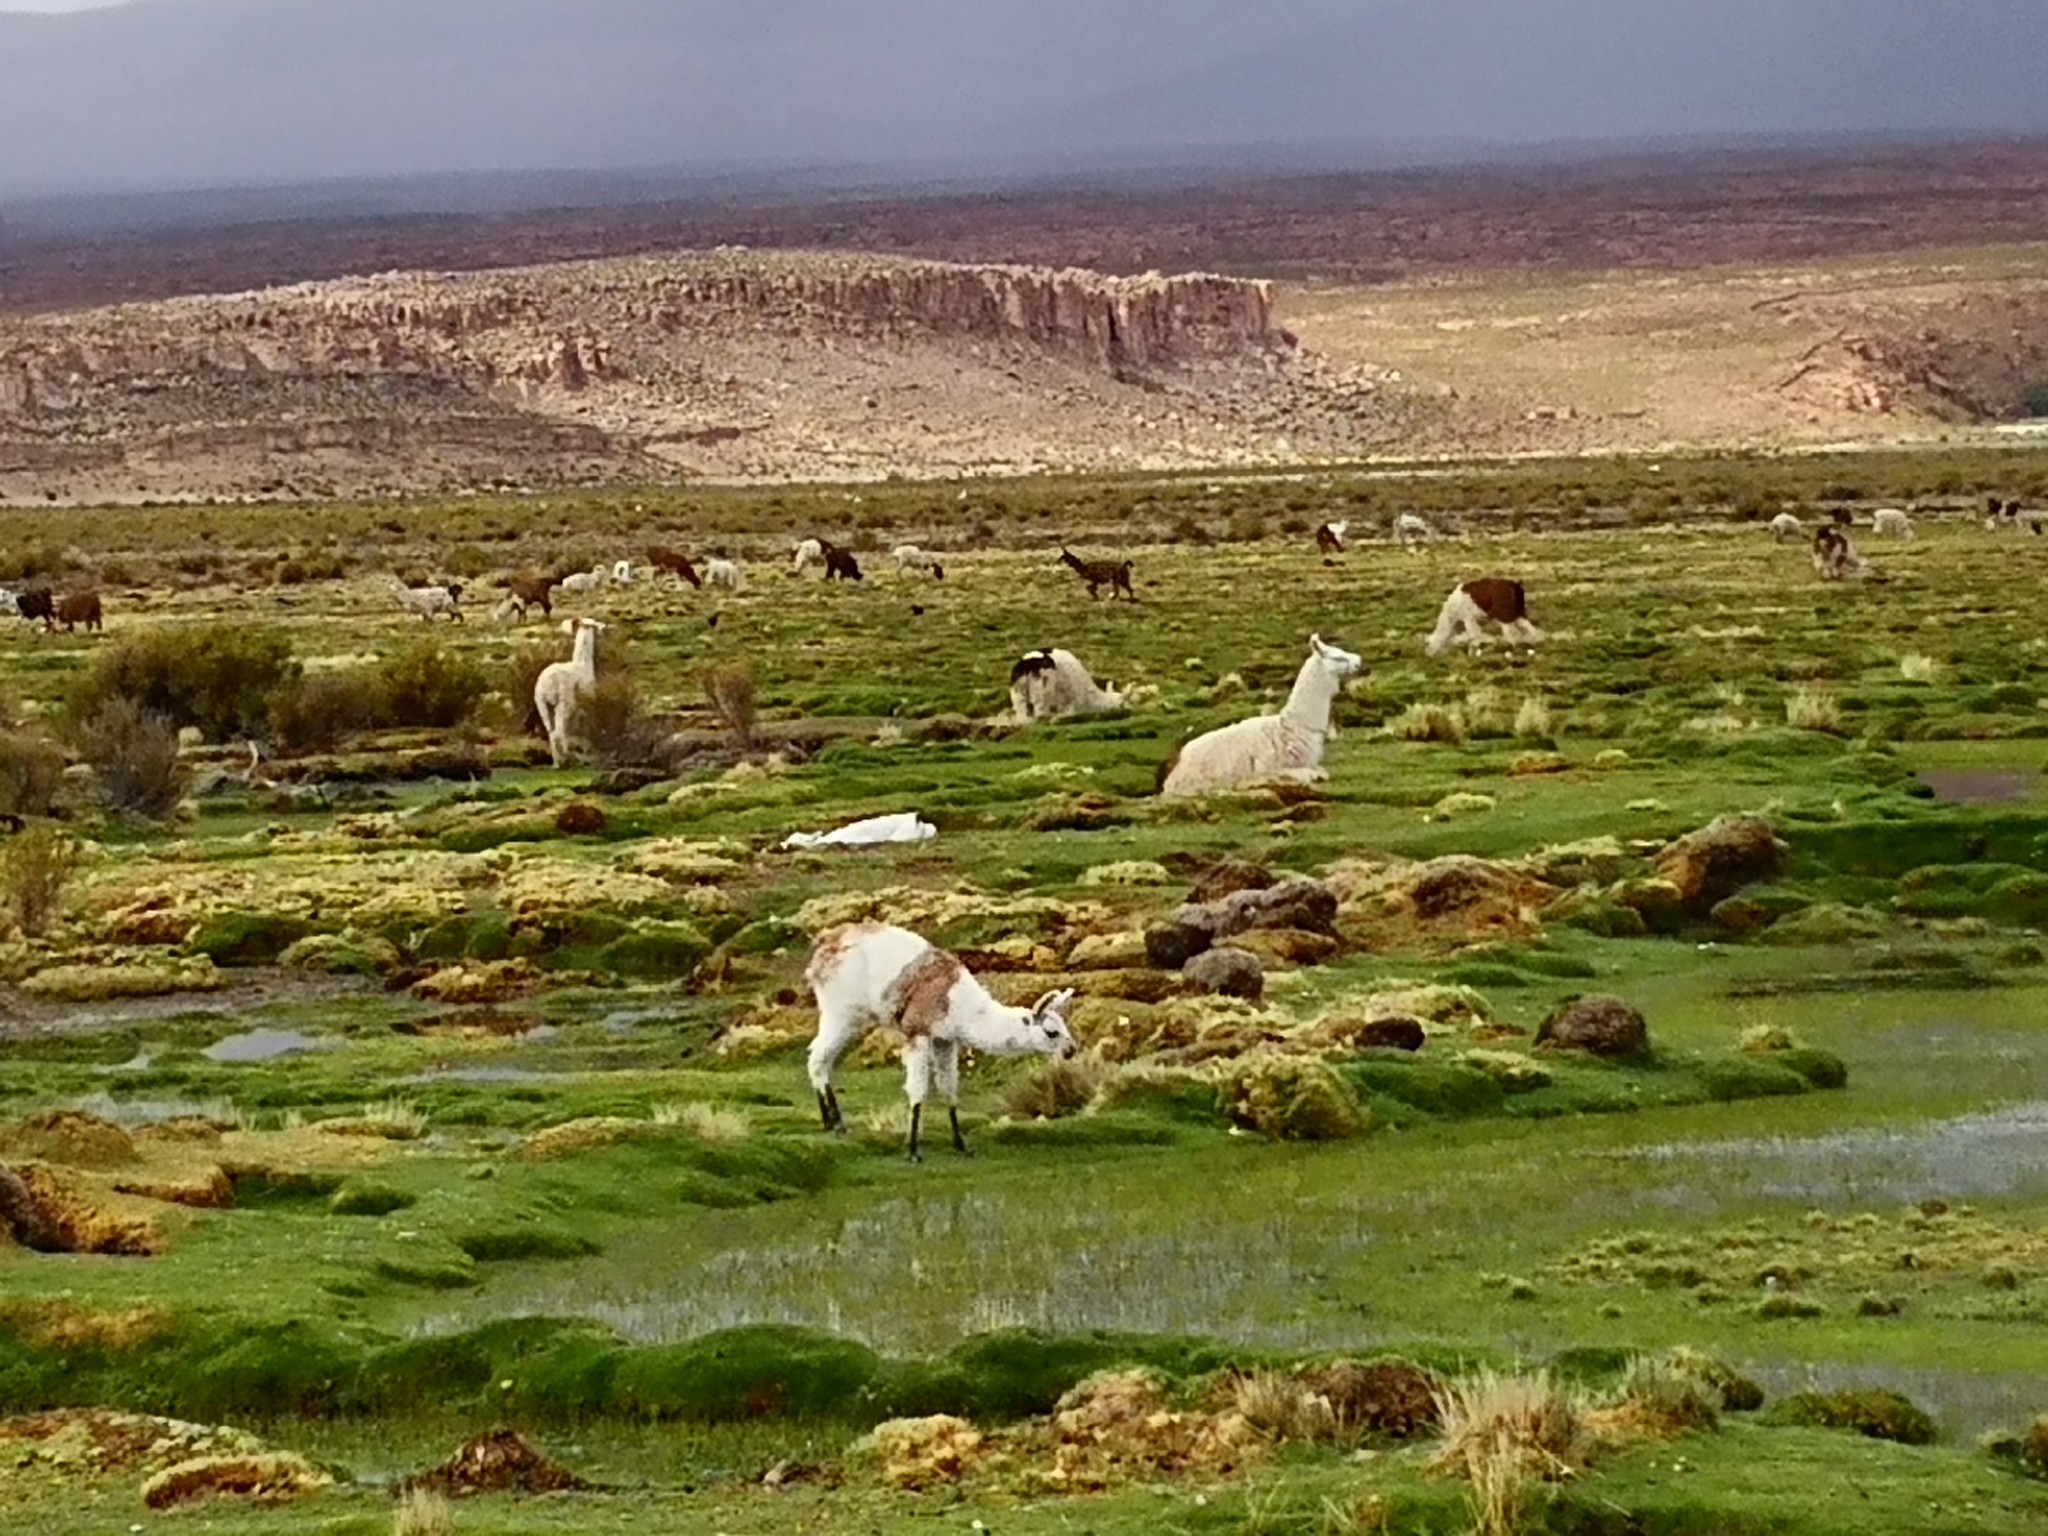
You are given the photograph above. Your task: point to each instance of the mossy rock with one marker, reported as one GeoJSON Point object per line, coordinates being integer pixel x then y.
{"type": "Point", "coordinates": [1017, 1372]}
{"type": "Point", "coordinates": [1438, 1088]}
{"type": "Point", "coordinates": [1823, 1069]}
{"type": "Point", "coordinates": [524, 1240]}
{"type": "Point", "coordinates": [1596, 912]}
{"type": "Point", "coordinates": [657, 950]}
{"type": "Point", "coordinates": [231, 939]}
{"type": "Point", "coordinates": [1826, 923]}
{"type": "Point", "coordinates": [1747, 1076]}
{"type": "Point", "coordinates": [430, 1269]}
{"type": "Point", "coordinates": [1659, 903]}
{"type": "Point", "coordinates": [763, 938]}
{"type": "Point", "coordinates": [367, 1197]}
{"type": "Point", "coordinates": [746, 1373]}
{"type": "Point", "coordinates": [342, 954]}
{"type": "Point", "coordinates": [1294, 1098]}
{"type": "Point", "coordinates": [1870, 1411]}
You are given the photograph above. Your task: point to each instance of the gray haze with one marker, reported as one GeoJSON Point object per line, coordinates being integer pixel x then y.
{"type": "Point", "coordinates": [169, 93]}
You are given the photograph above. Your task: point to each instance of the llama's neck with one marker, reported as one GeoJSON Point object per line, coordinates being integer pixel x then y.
{"type": "Point", "coordinates": [585, 658]}
{"type": "Point", "coordinates": [978, 1020]}
{"type": "Point", "coordinates": [1308, 706]}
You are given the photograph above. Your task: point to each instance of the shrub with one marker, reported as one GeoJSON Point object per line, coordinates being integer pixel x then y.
{"type": "Point", "coordinates": [133, 752]}
{"type": "Point", "coordinates": [1808, 708]}
{"type": "Point", "coordinates": [324, 711]}
{"type": "Point", "coordinates": [1294, 1098]}
{"type": "Point", "coordinates": [2034, 398]}
{"type": "Point", "coordinates": [31, 773]}
{"type": "Point", "coordinates": [222, 679]}
{"type": "Point", "coordinates": [1428, 722]}
{"type": "Point", "coordinates": [1054, 1089]}
{"type": "Point", "coordinates": [427, 686]}
{"type": "Point", "coordinates": [615, 728]}
{"type": "Point", "coordinates": [1870, 1411]}
{"type": "Point", "coordinates": [730, 689]}
{"type": "Point", "coordinates": [34, 869]}
{"type": "Point", "coordinates": [248, 938]}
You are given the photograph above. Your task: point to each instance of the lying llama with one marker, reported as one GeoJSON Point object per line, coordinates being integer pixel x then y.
{"type": "Point", "coordinates": [1891, 522]}
{"type": "Point", "coordinates": [562, 684]}
{"type": "Point", "coordinates": [721, 572]}
{"type": "Point", "coordinates": [1785, 526]}
{"type": "Point", "coordinates": [1410, 530]}
{"type": "Point", "coordinates": [1471, 603]}
{"type": "Point", "coordinates": [1113, 574]}
{"type": "Point", "coordinates": [1834, 557]}
{"type": "Point", "coordinates": [1330, 538]}
{"type": "Point", "coordinates": [1047, 684]}
{"type": "Point", "coordinates": [676, 564]}
{"type": "Point", "coordinates": [1288, 745]}
{"type": "Point", "coordinates": [583, 581]}
{"type": "Point", "coordinates": [872, 973]}
{"type": "Point", "coordinates": [428, 601]}
{"type": "Point", "coordinates": [909, 557]}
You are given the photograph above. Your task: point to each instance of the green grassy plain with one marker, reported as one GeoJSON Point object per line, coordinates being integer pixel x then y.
{"type": "Point", "coordinates": [356, 1298]}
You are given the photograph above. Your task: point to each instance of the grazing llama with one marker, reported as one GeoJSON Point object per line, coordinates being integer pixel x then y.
{"type": "Point", "coordinates": [871, 973]}
{"type": "Point", "coordinates": [909, 558]}
{"type": "Point", "coordinates": [1471, 604]}
{"type": "Point", "coordinates": [1785, 526]}
{"type": "Point", "coordinates": [721, 572]}
{"type": "Point", "coordinates": [1288, 745]}
{"type": "Point", "coordinates": [561, 686]}
{"type": "Point", "coordinates": [1330, 538]}
{"type": "Point", "coordinates": [1892, 523]}
{"type": "Point", "coordinates": [1044, 685]}
{"type": "Point", "coordinates": [1410, 530]}
{"type": "Point", "coordinates": [676, 563]}
{"type": "Point", "coordinates": [428, 601]}
{"type": "Point", "coordinates": [1834, 557]}
{"type": "Point", "coordinates": [1113, 574]}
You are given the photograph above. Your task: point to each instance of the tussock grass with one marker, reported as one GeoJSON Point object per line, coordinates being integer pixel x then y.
{"type": "Point", "coordinates": [1532, 719]}
{"type": "Point", "coordinates": [1810, 708]}
{"type": "Point", "coordinates": [1507, 1435]}
{"type": "Point", "coordinates": [1429, 722]}
{"type": "Point", "coordinates": [1917, 668]}
{"type": "Point", "coordinates": [708, 1122]}
{"type": "Point", "coordinates": [422, 1512]}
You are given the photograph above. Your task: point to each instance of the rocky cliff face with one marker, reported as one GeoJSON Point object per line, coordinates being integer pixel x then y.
{"type": "Point", "coordinates": [703, 362]}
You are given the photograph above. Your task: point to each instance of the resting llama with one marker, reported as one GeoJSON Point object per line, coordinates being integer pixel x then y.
{"type": "Point", "coordinates": [561, 686]}
{"type": "Point", "coordinates": [1047, 684]}
{"type": "Point", "coordinates": [1410, 530]}
{"type": "Point", "coordinates": [1288, 745]}
{"type": "Point", "coordinates": [1892, 522]}
{"type": "Point", "coordinates": [1471, 604]}
{"type": "Point", "coordinates": [871, 973]}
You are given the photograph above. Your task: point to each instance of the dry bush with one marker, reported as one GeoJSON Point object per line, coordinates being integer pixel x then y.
{"type": "Point", "coordinates": [1428, 722]}
{"type": "Point", "coordinates": [1532, 719]}
{"type": "Point", "coordinates": [1915, 668]}
{"type": "Point", "coordinates": [1283, 1407]}
{"type": "Point", "coordinates": [1486, 713]}
{"type": "Point", "coordinates": [614, 727]}
{"type": "Point", "coordinates": [31, 774]}
{"type": "Point", "coordinates": [730, 689]}
{"type": "Point", "coordinates": [521, 673]}
{"type": "Point", "coordinates": [1055, 1089]}
{"type": "Point", "coordinates": [133, 752]}
{"type": "Point", "coordinates": [1507, 1436]}
{"type": "Point", "coordinates": [426, 686]}
{"type": "Point", "coordinates": [1808, 708]}
{"type": "Point", "coordinates": [422, 1512]}
{"type": "Point", "coordinates": [324, 711]}
{"type": "Point", "coordinates": [224, 679]}
{"type": "Point", "coordinates": [34, 869]}
{"type": "Point", "coordinates": [707, 1122]}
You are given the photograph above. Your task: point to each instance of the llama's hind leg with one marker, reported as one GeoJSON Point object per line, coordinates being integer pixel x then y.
{"type": "Point", "coordinates": [946, 1077]}
{"type": "Point", "coordinates": [917, 1087]}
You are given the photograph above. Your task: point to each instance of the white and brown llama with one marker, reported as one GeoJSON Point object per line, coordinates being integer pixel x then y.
{"type": "Point", "coordinates": [1472, 604]}
{"type": "Point", "coordinates": [865, 974]}
{"type": "Point", "coordinates": [562, 685]}
{"type": "Point", "coordinates": [1288, 745]}
{"type": "Point", "coordinates": [1051, 683]}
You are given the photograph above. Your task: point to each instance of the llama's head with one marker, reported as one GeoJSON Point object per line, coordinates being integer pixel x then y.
{"type": "Point", "coordinates": [1047, 1026]}
{"type": "Point", "coordinates": [1336, 661]}
{"type": "Point", "coordinates": [1337, 529]}
{"type": "Point", "coordinates": [454, 591]}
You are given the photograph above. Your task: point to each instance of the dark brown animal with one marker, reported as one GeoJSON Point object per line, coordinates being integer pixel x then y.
{"type": "Point", "coordinates": [37, 603]}
{"type": "Point", "coordinates": [1994, 507]}
{"type": "Point", "coordinates": [531, 591]}
{"type": "Point", "coordinates": [1328, 542]}
{"type": "Point", "coordinates": [676, 563]}
{"type": "Point", "coordinates": [1843, 517]}
{"type": "Point", "coordinates": [1113, 574]}
{"type": "Point", "coordinates": [1501, 600]}
{"type": "Point", "coordinates": [78, 608]}
{"type": "Point", "coordinates": [1834, 557]}
{"type": "Point", "coordinates": [839, 563]}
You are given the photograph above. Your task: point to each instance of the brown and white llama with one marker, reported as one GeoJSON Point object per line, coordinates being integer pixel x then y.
{"type": "Point", "coordinates": [1472, 604]}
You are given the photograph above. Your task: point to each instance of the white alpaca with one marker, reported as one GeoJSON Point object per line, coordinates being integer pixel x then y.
{"type": "Point", "coordinates": [622, 573]}
{"type": "Point", "coordinates": [1288, 745]}
{"type": "Point", "coordinates": [1785, 526]}
{"type": "Point", "coordinates": [1047, 684]}
{"type": "Point", "coordinates": [584, 581]}
{"type": "Point", "coordinates": [725, 573]}
{"type": "Point", "coordinates": [810, 552]}
{"type": "Point", "coordinates": [872, 973]}
{"type": "Point", "coordinates": [909, 557]}
{"type": "Point", "coordinates": [562, 685]}
{"type": "Point", "coordinates": [1410, 530]}
{"type": "Point", "coordinates": [428, 601]}
{"type": "Point", "coordinates": [1471, 604]}
{"type": "Point", "coordinates": [1892, 523]}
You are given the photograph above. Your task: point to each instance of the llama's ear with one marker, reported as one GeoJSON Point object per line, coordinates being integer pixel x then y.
{"type": "Point", "coordinates": [1053, 1004]}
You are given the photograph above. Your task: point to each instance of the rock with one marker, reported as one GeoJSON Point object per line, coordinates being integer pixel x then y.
{"type": "Point", "coordinates": [1288, 946]}
{"type": "Point", "coordinates": [1108, 952]}
{"type": "Point", "coordinates": [1175, 940]}
{"type": "Point", "coordinates": [1391, 1034]}
{"type": "Point", "coordinates": [1296, 902]}
{"type": "Point", "coordinates": [1659, 903]}
{"type": "Point", "coordinates": [1712, 864]}
{"type": "Point", "coordinates": [1228, 972]}
{"type": "Point", "coordinates": [580, 818]}
{"type": "Point", "coordinates": [269, 1476]}
{"type": "Point", "coordinates": [1226, 877]}
{"type": "Point", "coordinates": [1605, 1026]}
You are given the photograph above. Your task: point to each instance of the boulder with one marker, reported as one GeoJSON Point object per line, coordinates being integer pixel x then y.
{"type": "Point", "coordinates": [1712, 864]}
{"type": "Point", "coordinates": [1177, 938]}
{"type": "Point", "coordinates": [1391, 1034]}
{"type": "Point", "coordinates": [1604, 1026]}
{"type": "Point", "coordinates": [1227, 971]}
{"type": "Point", "coordinates": [1296, 902]}
{"type": "Point", "coordinates": [1288, 946]}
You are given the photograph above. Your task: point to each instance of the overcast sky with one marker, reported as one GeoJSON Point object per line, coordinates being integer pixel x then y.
{"type": "Point", "coordinates": [167, 93]}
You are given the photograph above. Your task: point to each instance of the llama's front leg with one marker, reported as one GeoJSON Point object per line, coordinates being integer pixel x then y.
{"type": "Point", "coordinates": [832, 1038]}
{"type": "Point", "coordinates": [917, 1086]}
{"type": "Point", "coordinates": [946, 1071]}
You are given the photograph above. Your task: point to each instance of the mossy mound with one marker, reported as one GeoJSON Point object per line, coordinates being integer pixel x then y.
{"type": "Point", "coordinates": [1293, 1098]}
{"type": "Point", "coordinates": [1870, 1411]}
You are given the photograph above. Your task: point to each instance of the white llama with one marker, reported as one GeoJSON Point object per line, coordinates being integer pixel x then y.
{"type": "Point", "coordinates": [1288, 745]}
{"type": "Point", "coordinates": [871, 973]}
{"type": "Point", "coordinates": [562, 685]}
{"type": "Point", "coordinates": [1047, 684]}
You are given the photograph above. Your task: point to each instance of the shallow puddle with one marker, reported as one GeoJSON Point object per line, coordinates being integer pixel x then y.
{"type": "Point", "coordinates": [263, 1045]}
{"type": "Point", "coordinates": [1980, 786]}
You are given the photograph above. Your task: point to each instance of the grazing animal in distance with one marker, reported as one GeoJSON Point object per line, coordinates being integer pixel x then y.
{"type": "Point", "coordinates": [1892, 522]}
{"type": "Point", "coordinates": [1842, 517]}
{"type": "Point", "coordinates": [840, 564]}
{"type": "Point", "coordinates": [1330, 538]}
{"type": "Point", "coordinates": [622, 573]}
{"type": "Point", "coordinates": [583, 581]}
{"type": "Point", "coordinates": [1785, 526]}
{"type": "Point", "coordinates": [1411, 529]}
{"type": "Point", "coordinates": [721, 572]}
{"type": "Point", "coordinates": [1834, 557]}
{"type": "Point", "coordinates": [864, 974]}
{"type": "Point", "coordinates": [529, 589]}
{"type": "Point", "coordinates": [676, 564]}
{"type": "Point", "coordinates": [428, 601]}
{"type": "Point", "coordinates": [909, 557]}
{"type": "Point", "coordinates": [809, 552]}
{"type": "Point", "coordinates": [1113, 574]}
{"type": "Point", "coordinates": [1049, 683]}
{"type": "Point", "coordinates": [561, 686]}
{"type": "Point", "coordinates": [78, 608]}
{"type": "Point", "coordinates": [1288, 745]}
{"type": "Point", "coordinates": [37, 603]}
{"type": "Point", "coordinates": [1472, 603]}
